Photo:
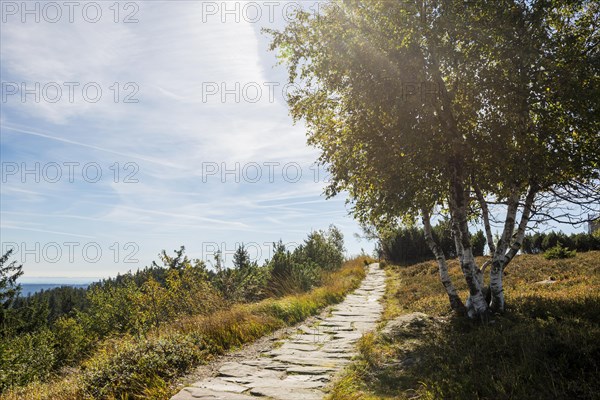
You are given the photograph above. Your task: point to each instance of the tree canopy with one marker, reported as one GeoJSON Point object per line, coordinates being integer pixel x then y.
{"type": "Point", "coordinates": [446, 106]}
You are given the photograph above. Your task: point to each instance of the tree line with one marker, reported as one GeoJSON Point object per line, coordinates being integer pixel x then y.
{"type": "Point", "coordinates": [538, 243]}
{"type": "Point", "coordinates": [404, 245]}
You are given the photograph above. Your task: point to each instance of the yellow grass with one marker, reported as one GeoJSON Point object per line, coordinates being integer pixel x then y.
{"type": "Point", "coordinates": [546, 345]}
{"type": "Point", "coordinates": [154, 362]}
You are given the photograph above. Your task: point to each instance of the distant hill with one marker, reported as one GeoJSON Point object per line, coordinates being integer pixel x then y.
{"type": "Point", "coordinates": [31, 288]}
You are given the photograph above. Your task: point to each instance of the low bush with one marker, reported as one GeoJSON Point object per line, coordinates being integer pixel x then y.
{"type": "Point", "coordinates": [558, 253]}
{"type": "Point", "coordinates": [302, 269]}
{"type": "Point", "coordinates": [134, 365]}
{"type": "Point", "coordinates": [72, 342]}
{"type": "Point", "coordinates": [26, 358]}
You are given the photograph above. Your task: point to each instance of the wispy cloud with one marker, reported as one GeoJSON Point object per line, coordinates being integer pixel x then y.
{"type": "Point", "coordinates": [18, 228]}
{"type": "Point", "coordinates": [170, 135]}
{"type": "Point", "coordinates": [131, 156]}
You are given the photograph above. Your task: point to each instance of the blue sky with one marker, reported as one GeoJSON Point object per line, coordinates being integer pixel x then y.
{"type": "Point", "coordinates": [129, 129]}
{"type": "Point", "coordinates": [172, 148]}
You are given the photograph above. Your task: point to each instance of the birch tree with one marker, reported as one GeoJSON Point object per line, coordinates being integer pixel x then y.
{"type": "Point", "coordinates": [449, 106]}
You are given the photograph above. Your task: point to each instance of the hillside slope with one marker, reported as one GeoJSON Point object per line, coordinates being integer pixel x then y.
{"type": "Point", "coordinates": [547, 344]}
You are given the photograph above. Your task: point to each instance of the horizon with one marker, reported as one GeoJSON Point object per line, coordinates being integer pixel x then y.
{"type": "Point", "coordinates": [75, 280]}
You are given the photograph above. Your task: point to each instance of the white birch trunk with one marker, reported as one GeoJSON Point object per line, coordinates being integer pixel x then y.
{"type": "Point", "coordinates": [497, 270]}
{"type": "Point", "coordinates": [520, 235]}
{"type": "Point", "coordinates": [454, 298]}
{"type": "Point", "coordinates": [497, 286]}
{"type": "Point", "coordinates": [476, 304]}
{"type": "Point", "coordinates": [501, 260]}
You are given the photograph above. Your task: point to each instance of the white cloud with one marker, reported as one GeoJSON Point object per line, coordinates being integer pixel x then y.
{"type": "Point", "coordinates": [169, 134]}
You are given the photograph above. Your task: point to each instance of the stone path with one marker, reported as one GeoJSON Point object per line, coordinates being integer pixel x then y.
{"type": "Point", "coordinates": [303, 365]}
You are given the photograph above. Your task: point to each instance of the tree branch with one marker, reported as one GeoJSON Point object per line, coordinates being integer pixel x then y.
{"type": "Point", "coordinates": [485, 213]}
{"type": "Point", "coordinates": [527, 211]}
{"type": "Point", "coordinates": [509, 223]}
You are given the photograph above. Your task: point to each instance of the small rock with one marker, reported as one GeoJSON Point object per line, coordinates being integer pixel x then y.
{"type": "Point", "coordinates": [220, 385]}
{"type": "Point", "coordinates": [406, 325]}
{"type": "Point", "coordinates": [308, 370]}
{"type": "Point", "coordinates": [546, 282]}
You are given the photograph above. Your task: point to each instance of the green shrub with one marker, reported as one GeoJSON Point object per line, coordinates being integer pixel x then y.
{"type": "Point", "coordinates": [302, 269]}
{"type": "Point", "coordinates": [72, 342]}
{"type": "Point", "coordinates": [404, 245]}
{"type": "Point", "coordinates": [558, 253]}
{"type": "Point", "coordinates": [541, 242]}
{"type": "Point", "coordinates": [245, 282]}
{"type": "Point", "coordinates": [139, 364]}
{"type": "Point", "coordinates": [113, 307]}
{"type": "Point", "coordinates": [26, 358]}
{"type": "Point", "coordinates": [130, 305]}
{"type": "Point", "coordinates": [550, 241]}
{"type": "Point", "coordinates": [190, 292]}
{"type": "Point", "coordinates": [323, 248]}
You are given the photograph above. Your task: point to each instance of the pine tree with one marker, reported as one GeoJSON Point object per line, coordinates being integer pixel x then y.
{"type": "Point", "coordinates": [9, 289]}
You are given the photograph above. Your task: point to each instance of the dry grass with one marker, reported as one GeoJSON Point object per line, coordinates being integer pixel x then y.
{"type": "Point", "coordinates": [546, 345]}
{"type": "Point", "coordinates": [144, 368]}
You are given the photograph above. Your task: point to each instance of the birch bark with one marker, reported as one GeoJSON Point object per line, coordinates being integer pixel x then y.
{"type": "Point", "coordinates": [455, 301]}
